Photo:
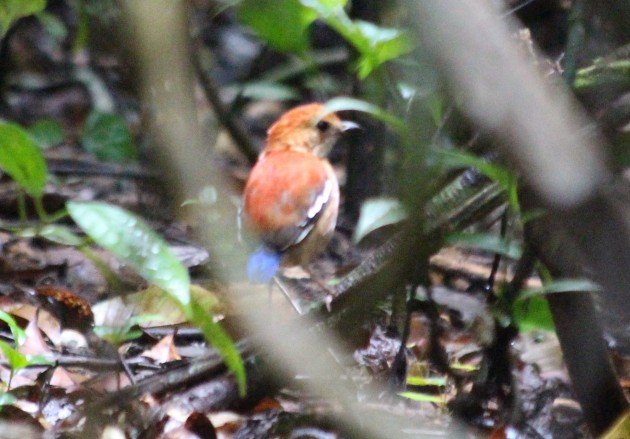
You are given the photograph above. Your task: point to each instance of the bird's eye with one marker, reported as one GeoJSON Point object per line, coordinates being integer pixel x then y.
{"type": "Point", "coordinates": [322, 125]}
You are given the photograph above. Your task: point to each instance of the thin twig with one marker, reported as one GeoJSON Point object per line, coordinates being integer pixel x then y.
{"type": "Point", "coordinates": [71, 361]}
{"type": "Point", "coordinates": [517, 8]}
{"type": "Point", "coordinates": [64, 166]}
{"type": "Point", "coordinates": [238, 132]}
{"type": "Point", "coordinates": [208, 365]}
{"type": "Point", "coordinates": [497, 256]}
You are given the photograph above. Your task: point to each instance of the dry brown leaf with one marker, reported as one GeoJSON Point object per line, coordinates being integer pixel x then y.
{"type": "Point", "coordinates": [35, 343]}
{"type": "Point", "coordinates": [62, 378]}
{"type": "Point", "coordinates": [151, 301]}
{"type": "Point", "coordinates": [46, 322]}
{"type": "Point", "coordinates": [164, 351]}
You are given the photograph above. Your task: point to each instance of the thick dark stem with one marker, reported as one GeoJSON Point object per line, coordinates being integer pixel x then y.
{"type": "Point", "coordinates": [586, 356]}
{"type": "Point", "coordinates": [576, 319]}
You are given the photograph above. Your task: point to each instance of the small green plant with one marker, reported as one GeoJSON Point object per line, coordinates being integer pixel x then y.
{"type": "Point", "coordinates": [18, 361]}
{"type": "Point", "coordinates": [107, 136]}
{"type": "Point", "coordinates": [46, 133]}
{"type": "Point", "coordinates": [531, 311]}
{"type": "Point", "coordinates": [375, 45]}
{"type": "Point", "coordinates": [113, 228]}
{"type": "Point", "coordinates": [133, 241]}
{"type": "Point", "coordinates": [21, 158]}
{"type": "Point", "coordinates": [129, 331]}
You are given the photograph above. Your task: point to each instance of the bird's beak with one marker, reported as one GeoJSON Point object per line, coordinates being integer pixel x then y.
{"type": "Point", "coordinates": [346, 125]}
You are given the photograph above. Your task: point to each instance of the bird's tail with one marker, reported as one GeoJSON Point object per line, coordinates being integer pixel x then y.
{"type": "Point", "coordinates": [263, 265]}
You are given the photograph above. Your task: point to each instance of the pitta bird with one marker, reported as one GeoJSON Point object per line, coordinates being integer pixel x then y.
{"type": "Point", "coordinates": [291, 198]}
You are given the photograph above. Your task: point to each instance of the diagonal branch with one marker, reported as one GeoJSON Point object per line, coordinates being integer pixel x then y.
{"type": "Point", "coordinates": [236, 129]}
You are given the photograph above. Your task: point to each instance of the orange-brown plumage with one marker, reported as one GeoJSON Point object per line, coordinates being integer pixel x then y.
{"type": "Point", "coordinates": [280, 200]}
{"type": "Point", "coordinates": [291, 198]}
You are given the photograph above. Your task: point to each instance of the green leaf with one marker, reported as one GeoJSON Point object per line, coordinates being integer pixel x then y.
{"type": "Point", "coordinates": [486, 242]}
{"type": "Point", "coordinates": [532, 314]}
{"type": "Point", "coordinates": [117, 335]}
{"type": "Point", "coordinates": [532, 215]}
{"type": "Point", "coordinates": [153, 301]}
{"type": "Point", "coordinates": [133, 241]}
{"type": "Point", "coordinates": [464, 367]}
{"type": "Point", "coordinates": [503, 176]}
{"type": "Point", "coordinates": [60, 234]}
{"type": "Point", "coordinates": [347, 104]}
{"type": "Point", "coordinates": [56, 233]}
{"type": "Point", "coordinates": [15, 359]}
{"type": "Point", "coordinates": [560, 286]}
{"type": "Point", "coordinates": [39, 360]}
{"type": "Point", "coordinates": [217, 336]}
{"type": "Point", "coordinates": [377, 213]}
{"type": "Point", "coordinates": [436, 103]}
{"type": "Point", "coordinates": [22, 159]}
{"type": "Point", "coordinates": [375, 44]}
{"type": "Point", "coordinates": [264, 90]}
{"type": "Point", "coordinates": [108, 137]}
{"type": "Point", "coordinates": [18, 333]}
{"type": "Point", "coordinates": [7, 398]}
{"type": "Point", "coordinates": [383, 44]}
{"type": "Point", "coordinates": [46, 133]}
{"type": "Point", "coordinates": [12, 10]}
{"type": "Point", "coordinates": [326, 8]}
{"type": "Point", "coordinates": [424, 397]}
{"type": "Point", "coordinates": [531, 311]}
{"type": "Point", "coordinates": [614, 73]}
{"type": "Point", "coordinates": [23, 8]}
{"type": "Point", "coordinates": [53, 25]}
{"type": "Point", "coordinates": [282, 24]}
{"type": "Point", "coordinates": [82, 27]}
{"type": "Point", "coordinates": [426, 381]}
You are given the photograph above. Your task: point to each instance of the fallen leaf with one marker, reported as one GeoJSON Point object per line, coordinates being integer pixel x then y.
{"type": "Point", "coordinates": [62, 378]}
{"type": "Point", "coordinates": [164, 351]}
{"type": "Point", "coordinates": [35, 343]}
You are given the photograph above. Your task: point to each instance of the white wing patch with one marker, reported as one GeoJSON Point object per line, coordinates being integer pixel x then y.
{"type": "Point", "coordinates": [291, 235]}
{"type": "Point", "coordinates": [316, 208]}
{"type": "Point", "coordinates": [320, 200]}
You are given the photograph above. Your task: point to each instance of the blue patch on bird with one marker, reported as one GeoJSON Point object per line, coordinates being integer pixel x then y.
{"type": "Point", "coordinates": [263, 265]}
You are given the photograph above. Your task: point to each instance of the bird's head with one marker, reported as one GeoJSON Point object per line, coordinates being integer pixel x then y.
{"type": "Point", "coordinates": [307, 128]}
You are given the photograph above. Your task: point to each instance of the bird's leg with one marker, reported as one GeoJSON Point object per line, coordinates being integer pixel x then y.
{"type": "Point", "coordinates": [286, 294]}
{"type": "Point", "coordinates": [325, 287]}
{"type": "Point", "coordinates": [270, 287]}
